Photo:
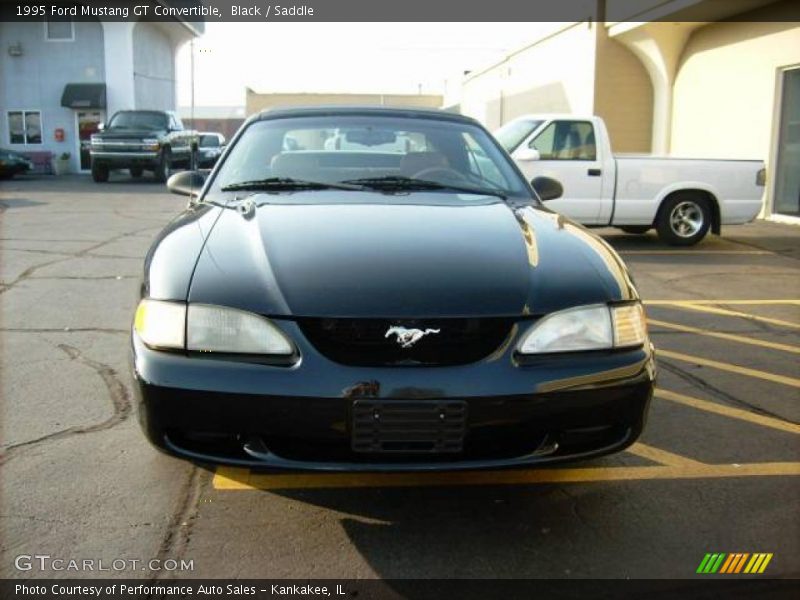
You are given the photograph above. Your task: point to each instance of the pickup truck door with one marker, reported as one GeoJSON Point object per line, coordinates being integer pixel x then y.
{"type": "Point", "coordinates": [567, 151]}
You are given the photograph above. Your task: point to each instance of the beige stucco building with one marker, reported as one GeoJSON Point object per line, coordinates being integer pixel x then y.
{"type": "Point", "coordinates": [256, 102]}
{"type": "Point", "coordinates": [695, 78]}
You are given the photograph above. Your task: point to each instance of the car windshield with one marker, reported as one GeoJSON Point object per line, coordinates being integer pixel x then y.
{"type": "Point", "coordinates": [393, 154]}
{"type": "Point", "coordinates": [209, 140]}
{"type": "Point", "coordinates": [139, 120]}
{"type": "Point", "coordinates": [513, 133]}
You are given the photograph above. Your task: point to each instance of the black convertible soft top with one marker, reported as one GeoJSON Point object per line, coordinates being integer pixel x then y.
{"type": "Point", "coordinates": [383, 111]}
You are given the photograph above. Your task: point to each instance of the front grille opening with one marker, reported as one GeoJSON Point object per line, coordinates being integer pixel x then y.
{"type": "Point", "coordinates": [364, 342]}
{"type": "Point", "coordinates": [574, 441]}
{"type": "Point", "coordinates": [476, 445]}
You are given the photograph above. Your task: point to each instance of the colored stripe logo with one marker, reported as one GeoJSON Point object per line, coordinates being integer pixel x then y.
{"type": "Point", "coordinates": [736, 562]}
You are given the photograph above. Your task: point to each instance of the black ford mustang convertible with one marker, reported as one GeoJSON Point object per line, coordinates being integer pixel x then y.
{"type": "Point", "coordinates": [380, 289]}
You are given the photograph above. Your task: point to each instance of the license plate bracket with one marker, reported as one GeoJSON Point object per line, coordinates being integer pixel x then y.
{"type": "Point", "coordinates": [408, 426]}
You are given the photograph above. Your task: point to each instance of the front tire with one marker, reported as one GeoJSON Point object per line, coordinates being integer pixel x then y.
{"type": "Point", "coordinates": [164, 168]}
{"type": "Point", "coordinates": [683, 219]}
{"type": "Point", "coordinates": [136, 172]}
{"type": "Point", "coordinates": [99, 172]}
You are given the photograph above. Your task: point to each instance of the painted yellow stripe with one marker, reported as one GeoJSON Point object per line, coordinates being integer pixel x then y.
{"type": "Point", "coordinates": [757, 558]}
{"type": "Point", "coordinates": [228, 478]}
{"type": "Point", "coordinates": [735, 313]}
{"type": "Point", "coordinates": [727, 563]}
{"type": "Point", "coordinates": [774, 377]}
{"type": "Point", "coordinates": [726, 336]}
{"type": "Point", "coordinates": [765, 563]}
{"type": "Point", "coordinates": [717, 302]}
{"type": "Point", "coordinates": [727, 411]}
{"type": "Point", "coordinates": [661, 456]}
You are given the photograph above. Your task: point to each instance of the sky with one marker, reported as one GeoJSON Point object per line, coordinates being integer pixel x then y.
{"type": "Point", "coordinates": [340, 57]}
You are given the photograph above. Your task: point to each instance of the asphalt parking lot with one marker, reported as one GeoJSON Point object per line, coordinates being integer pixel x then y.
{"type": "Point", "coordinates": [715, 472]}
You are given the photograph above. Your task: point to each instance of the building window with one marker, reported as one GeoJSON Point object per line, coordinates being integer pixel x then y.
{"type": "Point", "coordinates": [25, 126]}
{"type": "Point", "coordinates": [787, 167]}
{"type": "Point", "coordinates": [59, 31]}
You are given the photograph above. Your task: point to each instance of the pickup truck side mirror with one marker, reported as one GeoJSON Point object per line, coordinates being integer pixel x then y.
{"type": "Point", "coordinates": [547, 188]}
{"type": "Point", "coordinates": [527, 154]}
{"type": "Point", "coordinates": [187, 183]}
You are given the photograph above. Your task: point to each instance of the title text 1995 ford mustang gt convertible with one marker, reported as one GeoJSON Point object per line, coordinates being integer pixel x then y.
{"type": "Point", "coordinates": [399, 300]}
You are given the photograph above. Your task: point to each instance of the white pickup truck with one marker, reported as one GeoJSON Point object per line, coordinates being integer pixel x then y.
{"type": "Point", "coordinates": [681, 198]}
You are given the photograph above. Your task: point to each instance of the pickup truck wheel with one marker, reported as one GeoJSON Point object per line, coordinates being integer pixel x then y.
{"type": "Point", "coordinates": [136, 172]}
{"type": "Point", "coordinates": [636, 229]}
{"type": "Point", "coordinates": [99, 172]}
{"type": "Point", "coordinates": [683, 220]}
{"type": "Point", "coordinates": [164, 168]}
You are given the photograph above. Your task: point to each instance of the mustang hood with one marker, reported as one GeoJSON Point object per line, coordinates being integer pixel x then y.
{"type": "Point", "coordinates": [306, 257]}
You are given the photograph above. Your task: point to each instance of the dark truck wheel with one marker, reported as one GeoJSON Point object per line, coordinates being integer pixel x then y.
{"type": "Point", "coordinates": [683, 219]}
{"type": "Point", "coordinates": [99, 172]}
{"type": "Point", "coordinates": [164, 168]}
{"type": "Point", "coordinates": [136, 172]}
{"type": "Point", "coordinates": [636, 229]}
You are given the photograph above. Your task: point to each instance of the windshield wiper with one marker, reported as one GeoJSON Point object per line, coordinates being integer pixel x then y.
{"type": "Point", "coordinates": [279, 184]}
{"type": "Point", "coordinates": [400, 183]}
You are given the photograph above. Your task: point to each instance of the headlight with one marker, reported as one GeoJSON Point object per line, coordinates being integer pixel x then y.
{"type": "Point", "coordinates": [161, 324]}
{"type": "Point", "coordinates": [150, 144]}
{"type": "Point", "coordinates": [218, 329]}
{"type": "Point", "coordinates": [206, 328]}
{"type": "Point", "coordinates": [596, 327]}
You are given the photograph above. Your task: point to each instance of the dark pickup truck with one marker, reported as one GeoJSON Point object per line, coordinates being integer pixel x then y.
{"type": "Point", "coordinates": [142, 140]}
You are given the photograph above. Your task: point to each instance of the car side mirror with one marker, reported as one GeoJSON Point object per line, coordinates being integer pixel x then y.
{"type": "Point", "coordinates": [101, 126]}
{"type": "Point", "coordinates": [187, 183]}
{"type": "Point", "coordinates": [527, 154]}
{"type": "Point", "coordinates": [547, 188]}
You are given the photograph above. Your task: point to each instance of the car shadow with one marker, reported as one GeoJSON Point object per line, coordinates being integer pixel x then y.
{"type": "Point", "coordinates": [19, 203]}
{"type": "Point", "coordinates": [474, 531]}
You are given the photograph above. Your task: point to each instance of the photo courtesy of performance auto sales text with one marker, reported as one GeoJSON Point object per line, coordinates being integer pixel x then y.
{"type": "Point", "coordinates": [384, 300]}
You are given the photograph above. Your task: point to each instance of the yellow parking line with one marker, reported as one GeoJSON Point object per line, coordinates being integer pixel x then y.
{"type": "Point", "coordinates": [727, 411]}
{"type": "Point", "coordinates": [735, 313]}
{"type": "Point", "coordinates": [731, 302]}
{"type": "Point", "coordinates": [227, 478]}
{"type": "Point", "coordinates": [661, 456]}
{"type": "Point", "coordinates": [726, 336]}
{"type": "Point", "coordinates": [774, 377]}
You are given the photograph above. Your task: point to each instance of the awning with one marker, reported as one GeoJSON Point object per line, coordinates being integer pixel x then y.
{"type": "Point", "coordinates": [84, 95]}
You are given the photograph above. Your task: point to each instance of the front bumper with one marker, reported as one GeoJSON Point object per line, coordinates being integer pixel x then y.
{"type": "Point", "coordinates": [549, 410]}
{"type": "Point", "coordinates": [15, 167]}
{"type": "Point", "coordinates": [126, 159]}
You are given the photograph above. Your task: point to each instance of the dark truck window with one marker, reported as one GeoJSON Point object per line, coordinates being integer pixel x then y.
{"type": "Point", "coordinates": [139, 120]}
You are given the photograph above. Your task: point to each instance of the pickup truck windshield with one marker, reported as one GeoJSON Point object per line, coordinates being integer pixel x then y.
{"type": "Point", "coordinates": [394, 155]}
{"type": "Point", "coordinates": [512, 134]}
{"type": "Point", "coordinates": [147, 120]}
